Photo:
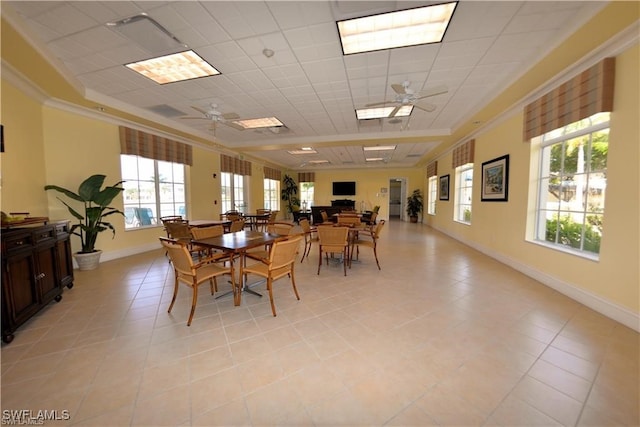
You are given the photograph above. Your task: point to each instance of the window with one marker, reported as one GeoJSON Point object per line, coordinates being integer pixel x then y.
{"type": "Point", "coordinates": [272, 194]}
{"type": "Point", "coordinates": [152, 189]}
{"type": "Point", "coordinates": [433, 195]}
{"type": "Point", "coordinates": [464, 187]}
{"type": "Point", "coordinates": [572, 184]}
{"type": "Point", "coordinates": [306, 195]}
{"type": "Point", "coordinates": [233, 192]}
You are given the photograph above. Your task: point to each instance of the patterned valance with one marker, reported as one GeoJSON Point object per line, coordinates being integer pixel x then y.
{"type": "Point", "coordinates": [586, 94]}
{"type": "Point", "coordinates": [139, 143]}
{"type": "Point", "coordinates": [432, 169]}
{"type": "Point", "coordinates": [463, 154]}
{"type": "Point", "coordinates": [271, 173]}
{"type": "Point", "coordinates": [234, 165]}
{"type": "Point", "coordinates": [306, 176]}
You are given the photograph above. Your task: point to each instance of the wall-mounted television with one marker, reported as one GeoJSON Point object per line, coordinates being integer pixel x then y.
{"type": "Point", "coordinates": [344, 188]}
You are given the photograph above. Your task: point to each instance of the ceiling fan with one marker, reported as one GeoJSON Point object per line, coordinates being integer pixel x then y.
{"type": "Point", "coordinates": [406, 96]}
{"type": "Point", "coordinates": [216, 116]}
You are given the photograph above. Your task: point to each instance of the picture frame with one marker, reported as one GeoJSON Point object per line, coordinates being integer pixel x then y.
{"type": "Point", "coordinates": [443, 189]}
{"type": "Point", "coordinates": [495, 180]}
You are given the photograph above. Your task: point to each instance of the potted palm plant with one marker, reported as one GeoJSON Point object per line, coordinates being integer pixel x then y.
{"type": "Point", "coordinates": [414, 205]}
{"type": "Point", "coordinates": [288, 194]}
{"type": "Point", "coordinates": [91, 222]}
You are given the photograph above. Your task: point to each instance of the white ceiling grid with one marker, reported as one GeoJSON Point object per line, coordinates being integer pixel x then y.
{"type": "Point", "coordinates": [308, 84]}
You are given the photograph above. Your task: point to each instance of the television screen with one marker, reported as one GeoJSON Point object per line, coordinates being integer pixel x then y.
{"type": "Point", "coordinates": [344, 188]}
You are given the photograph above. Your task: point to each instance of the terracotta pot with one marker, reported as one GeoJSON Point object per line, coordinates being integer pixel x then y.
{"type": "Point", "coordinates": [88, 261]}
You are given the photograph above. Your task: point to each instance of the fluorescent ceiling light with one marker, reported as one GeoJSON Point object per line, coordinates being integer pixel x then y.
{"type": "Point", "coordinates": [396, 29]}
{"type": "Point", "coordinates": [382, 112]}
{"type": "Point", "coordinates": [375, 159]}
{"type": "Point", "coordinates": [318, 162]}
{"type": "Point", "coordinates": [303, 151]}
{"type": "Point", "coordinates": [379, 148]}
{"type": "Point", "coordinates": [264, 122]}
{"type": "Point", "coordinates": [176, 67]}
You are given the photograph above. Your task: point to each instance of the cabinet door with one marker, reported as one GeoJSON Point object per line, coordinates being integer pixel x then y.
{"type": "Point", "coordinates": [47, 278]}
{"type": "Point", "coordinates": [65, 262]}
{"type": "Point", "coordinates": [19, 287]}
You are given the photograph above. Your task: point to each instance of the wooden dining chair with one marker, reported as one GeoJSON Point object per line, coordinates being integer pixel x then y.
{"type": "Point", "coordinates": [236, 225]}
{"type": "Point", "coordinates": [281, 228]}
{"type": "Point", "coordinates": [333, 240]}
{"type": "Point", "coordinates": [205, 233]}
{"type": "Point", "coordinates": [368, 238]}
{"type": "Point", "coordinates": [310, 236]}
{"type": "Point", "coordinates": [193, 274]}
{"type": "Point", "coordinates": [280, 263]}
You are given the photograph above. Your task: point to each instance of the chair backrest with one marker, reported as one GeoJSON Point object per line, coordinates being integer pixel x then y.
{"type": "Point", "coordinates": [282, 228]}
{"type": "Point", "coordinates": [373, 217]}
{"type": "Point", "coordinates": [376, 231]}
{"type": "Point", "coordinates": [324, 215]}
{"type": "Point", "coordinates": [348, 220]}
{"type": "Point", "coordinates": [304, 224]}
{"type": "Point", "coordinates": [263, 211]}
{"type": "Point", "coordinates": [178, 229]}
{"type": "Point", "coordinates": [283, 253]}
{"type": "Point", "coordinates": [272, 216]}
{"type": "Point", "coordinates": [179, 256]}
{"type": "Point", "coordinates": [236, 225]}
{"type": "Point", "coordinates": [170, 218]}
{"type": "Point", "coordinates": [333, 236]}
{"type": "Point", "coordinates": [206, 232]}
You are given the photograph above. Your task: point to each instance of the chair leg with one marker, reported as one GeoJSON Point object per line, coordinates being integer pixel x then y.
{"type": "Point", "coordinates": [270, 289]}
{"type": "Point", "coordinates": [293, 283]}
{"type": "Point", "coordinates": [175, 294]}
{"type": "Point", "coordinates": [319, 258]}
{"type": "Point", "coordinates": [375, 253]}
{"type": "Point", "coordinates": [345, 260]}
{"type": "Point", "coordinates": [194, 301]}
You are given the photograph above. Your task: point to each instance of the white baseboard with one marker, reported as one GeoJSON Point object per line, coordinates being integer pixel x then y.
{"type": "Point", "coordinates": [603, 306]}
{"type": "Point", "coordinates": [123, 253]}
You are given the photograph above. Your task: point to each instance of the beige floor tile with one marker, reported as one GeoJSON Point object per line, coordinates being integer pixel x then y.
{"type": "Point", "coordinates": [442, 335]}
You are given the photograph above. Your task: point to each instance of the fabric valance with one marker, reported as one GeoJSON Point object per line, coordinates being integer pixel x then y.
{"type": "Point", "coordinates": [234, 165]}
{"type": "Point", "coordinates": [271, 173]}
{"type": "Point", "coordinates": [586, 94]}
{"type": "Point", "coordinates": [432, 169]}
{"type": "Point", "coordinates": [306, 176]}
{"type": "Point", "coordinates": [139, 143]}
{"type": "Point", "coordinates": [463, 154]}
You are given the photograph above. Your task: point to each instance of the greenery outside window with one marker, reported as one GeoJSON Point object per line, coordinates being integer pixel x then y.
{"type": "Point", "coordinates": [152, 189]}
{"type": "Point", "coordinates": [433, 195]}
{"type": "Point", "coordinates": [306, 195]}
{"type": "Point", "coordinates": [233, 194]}
{"type": "Point", "coordinates": [572, 185]}
{"type": "Point", "coordinates": [464, 193]}
{"type": "Point", "coordinates": [272, 194]}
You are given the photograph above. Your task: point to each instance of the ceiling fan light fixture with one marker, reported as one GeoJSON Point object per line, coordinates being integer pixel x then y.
{"type": "Point", "coordinates": [402, 28]}
{"type": "Point", "coordinates": [174, 67]}
{"type": "Point", "coordinates": [382, 112]}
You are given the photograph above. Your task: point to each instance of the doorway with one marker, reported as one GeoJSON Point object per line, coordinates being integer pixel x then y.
{"type": "Point", "coordinates": [397, 195]}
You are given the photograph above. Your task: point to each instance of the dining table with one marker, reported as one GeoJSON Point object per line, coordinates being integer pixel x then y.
{"type": "Point", "coordinates": [237, 244]}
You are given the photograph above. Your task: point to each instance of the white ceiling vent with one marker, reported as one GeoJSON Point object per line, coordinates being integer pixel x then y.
{"type": "Point", "coordinates": [148, 34]}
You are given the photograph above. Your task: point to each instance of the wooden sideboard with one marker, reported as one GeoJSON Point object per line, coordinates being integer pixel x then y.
{"type": "Point", "coordinates": [36, 266]}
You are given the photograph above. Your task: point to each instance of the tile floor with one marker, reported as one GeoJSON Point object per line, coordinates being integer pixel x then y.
{"type": "Point", "coordinates": [443, 335]}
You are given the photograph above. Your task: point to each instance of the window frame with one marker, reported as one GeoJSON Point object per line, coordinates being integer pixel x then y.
{"type": "Point", "coordinates": [273, 202]}
{"type": "Point", "coordinates": [238, 186]}
{"type": "Point", "coordinates": [159, 204]}
{"type": "Point", "coordinates": [432, 186]}
{"type": "Point", "coordinates": [304, 193]}
{"type": "Point", "coordinates": [461, 190]}
{"type": "Point", "coordinates": [540, 220]}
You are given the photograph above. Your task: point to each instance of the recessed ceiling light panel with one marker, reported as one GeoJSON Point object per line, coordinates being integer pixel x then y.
{"type": "Point", "coordinates": [175, 67]}
{"type": "Point", "coordinates": [264, 122]}
{"type": "Point", "coordinates": [379, 148]}
{"type": "Point", "coordinates": [396, 29]}
{"type": "Point", "coordinates": [382, 112]}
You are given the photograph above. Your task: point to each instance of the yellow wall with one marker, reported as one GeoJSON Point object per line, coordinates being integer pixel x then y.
{"type": "Point", "coordinates": [500, 228]}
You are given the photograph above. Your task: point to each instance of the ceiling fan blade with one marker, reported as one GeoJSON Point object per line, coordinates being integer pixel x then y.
{"type": "Point", "coordinates": [438, 90]}
{"type": "Point", "coordinates": [394, 111]}
{"type": "Point", "coordinates": [375, 104]}
{"type": "Point", "coordinates": [230, 116]}
{"type": "Point", "coordinates": [426, 107]}
{"type": "Point", "coordinates": [399, 89]}
{"type": "Point", "coordinates": [199, 110]}
{"type": "Point", "coordinates": [193, 118]}
{"type": "Point", "coordinates": [233, 125]}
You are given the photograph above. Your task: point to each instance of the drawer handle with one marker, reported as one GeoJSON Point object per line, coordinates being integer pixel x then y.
{"type": "Point", "coordinates": [40, 276]}
{"type": "Point", "coordinates": [19, 243]}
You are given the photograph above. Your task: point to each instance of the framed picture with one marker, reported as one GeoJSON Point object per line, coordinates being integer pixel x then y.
{"type": "Point", "coordinates": [495, 180]}
{"type": "Point", "coordinates": [444, 187]}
